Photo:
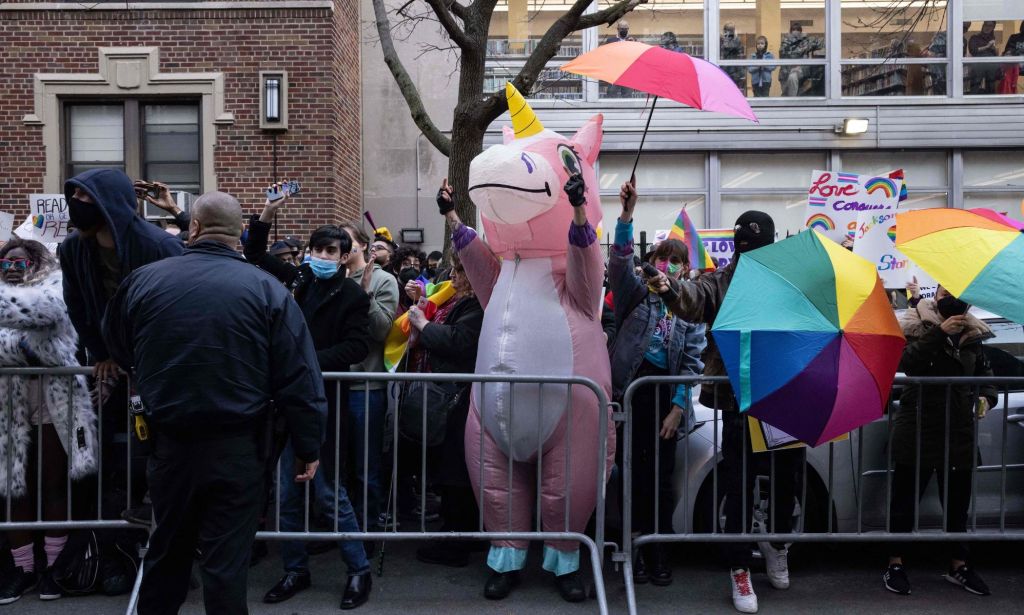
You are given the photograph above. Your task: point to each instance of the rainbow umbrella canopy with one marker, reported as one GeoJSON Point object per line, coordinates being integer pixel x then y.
{"type": "Point", "coordinates": [976, 254]}
{"type": "Point", "coordinates": [668, 74]}
{"type": "Point", "coordinates": [808, 338]}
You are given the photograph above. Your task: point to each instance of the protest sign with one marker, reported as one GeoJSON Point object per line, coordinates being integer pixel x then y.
{"type": "Point", "coordinates": [49, 217]}
{"type": "Point", "coordinates": [6, 225]}
{"type": "Point", "coordinates": [836, 198]}
{"type": "Point", "coordinates": [875, 241]}
{"type": "Point", "coordinates": [719, 244]}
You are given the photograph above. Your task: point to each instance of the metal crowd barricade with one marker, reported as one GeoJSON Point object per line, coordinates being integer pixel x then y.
{"type": "Point", "coordinates": [852, 529]}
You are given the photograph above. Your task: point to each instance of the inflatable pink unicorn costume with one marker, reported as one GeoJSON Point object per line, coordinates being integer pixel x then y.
{"type": "Point", "coordinates": [541, 302]}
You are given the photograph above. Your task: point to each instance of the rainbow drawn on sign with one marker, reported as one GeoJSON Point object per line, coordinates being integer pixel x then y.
{"type": "Point", "coordinates": [38, 220]}
{"type": "Point", "coordinates": [884, 184]}
{"type": "Point", "coordinates": [821, 222]}
{"type": "Point", "coordinates": [892, 233]}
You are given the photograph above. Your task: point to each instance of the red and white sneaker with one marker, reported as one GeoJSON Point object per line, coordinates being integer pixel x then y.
{"type": "Point", "coordinates": [743, 596]}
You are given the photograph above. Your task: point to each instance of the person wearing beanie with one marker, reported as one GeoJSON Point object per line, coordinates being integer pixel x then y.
{"type": "Point", "coordinates": [285, 251]}
{"type": "Point", "coordinates": [699, 301]}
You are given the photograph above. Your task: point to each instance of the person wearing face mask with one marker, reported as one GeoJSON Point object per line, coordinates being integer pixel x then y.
{"type": "Point", "coordinates": [433, 267]}
{"type": "Point", "coordinates": [407, 269]}
{"type": "Point", "coordinates": [731, 48]}
{"type": "Point", "coordinates": [984, 77]}
{"type": "Point", "coordinates": [651, 341]}
{"type": "Point", "coordinates": [943, 340]}
{"type": "Point", "coordinates": [621, 34]}
{"type": "Point", "coordinates": [336, 310]}
{"type": "Point", "coordinates": [699, 301]}
{"type": "Point", "coordinates": [761, 76]}
{"type": "Point", "coordinates": [109, 242]}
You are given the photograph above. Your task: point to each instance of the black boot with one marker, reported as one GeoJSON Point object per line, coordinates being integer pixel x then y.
{"type": "Point", "coordinates": [570, 587]}
{"type": "Point", "coordinates": [500, 585]}
{"type": "Point", "coordinates": [357, 590]}
{"type": "Point", "coordinates": [660, 571]}
{"type": "Point", "coordinates": [640, 575]}
{"type": "Point", "coordinates": [289, 585]}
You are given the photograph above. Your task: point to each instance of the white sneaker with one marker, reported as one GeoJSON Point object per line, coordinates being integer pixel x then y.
{"type": "Point", "coordinates": [743, 596]}
{"type": "Point", "coordinates": [776, 563]}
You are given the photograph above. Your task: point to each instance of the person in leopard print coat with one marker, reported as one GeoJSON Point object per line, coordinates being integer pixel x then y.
{"type": "Point", "coordinates": [35, 331]}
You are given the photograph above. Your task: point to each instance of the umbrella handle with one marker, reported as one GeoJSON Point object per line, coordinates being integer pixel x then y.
{"type": "Point", "coordinates": [632, 176]}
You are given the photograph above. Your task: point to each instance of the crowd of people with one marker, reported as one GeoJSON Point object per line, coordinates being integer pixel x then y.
{"type": "Point", "coordinates": [251, 333]}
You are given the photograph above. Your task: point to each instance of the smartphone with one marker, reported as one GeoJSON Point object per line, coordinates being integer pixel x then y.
{"type": "Point", "coordinates": [288, 188]}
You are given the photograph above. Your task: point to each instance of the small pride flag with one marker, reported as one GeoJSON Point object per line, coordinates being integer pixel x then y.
{"type": "Point", "coordinates": [847, 178]}
{"type": "Point", "coordinates": [686, 232]}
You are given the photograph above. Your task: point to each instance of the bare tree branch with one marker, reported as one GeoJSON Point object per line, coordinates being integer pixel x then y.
{"type": "Point", "coordinates": [405, 83]}
{"type": "Point", "coordinates": [448, 22]}
{"type": "Point", "coordinates": [609, 15]}
{"type": "Point", "coordinates": [459, 10]}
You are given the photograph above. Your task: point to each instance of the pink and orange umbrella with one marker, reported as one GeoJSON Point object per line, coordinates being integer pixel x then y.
{"type": "Point", "coordinates": [663, 73]}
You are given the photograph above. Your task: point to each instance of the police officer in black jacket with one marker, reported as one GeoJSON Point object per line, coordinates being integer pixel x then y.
{"type": "Point", "coordinates": [212, 340]}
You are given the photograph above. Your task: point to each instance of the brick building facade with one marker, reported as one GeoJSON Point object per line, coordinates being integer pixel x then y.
{"type": "Point", "coordinates": [99, 63]}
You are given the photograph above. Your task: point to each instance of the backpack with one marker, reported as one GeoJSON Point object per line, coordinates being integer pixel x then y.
{"type": "Point", "coordinates": [77, 569]}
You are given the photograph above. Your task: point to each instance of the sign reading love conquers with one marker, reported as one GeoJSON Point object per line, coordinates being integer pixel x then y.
{"type": "Point", "coordinates": [835, 199]}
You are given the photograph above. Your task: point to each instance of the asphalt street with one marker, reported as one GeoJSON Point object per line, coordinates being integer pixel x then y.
{"type": "Point", "coordinates": [839, 581]}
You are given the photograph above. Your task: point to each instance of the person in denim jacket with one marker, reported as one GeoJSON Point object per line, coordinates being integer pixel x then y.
{"type": "Point", "coordinates": [761, 76]}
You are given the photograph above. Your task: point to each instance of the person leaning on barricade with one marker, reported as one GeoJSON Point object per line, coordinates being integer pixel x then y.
{"type": "Point", "coordinates": [651, 341]}
{"type": "Point", "coordinates": [110, 241]}
{"type": "Point", "coordinates": [945, 341]}
{"type": "Point", "coordinates": [336, 310]}
{"type": "Point", "coordinates": [699, 301]}
{"type": "Point", "coordinates": [35, 332]}
{"type": "Point", "coordinates": [212, 342]}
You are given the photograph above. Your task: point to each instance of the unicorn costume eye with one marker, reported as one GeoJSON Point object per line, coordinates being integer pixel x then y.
{"type": "Point", "coordinates": [569, 159]}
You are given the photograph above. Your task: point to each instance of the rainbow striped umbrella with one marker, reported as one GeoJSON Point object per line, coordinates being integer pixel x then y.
{"type": "Point", "coordinates": [808, 338]}
{"type": "Point", "coordinates": [977, 255]}
{"type": "Point", "coordinates": [669, 74]}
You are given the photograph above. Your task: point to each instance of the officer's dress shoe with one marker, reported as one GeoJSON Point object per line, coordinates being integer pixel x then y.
{"type": "Point", "coordinates": [357, 590]}
{"type": "Point", "coordinates": [289, 585]}
{"type": "Point", "coordinates": [500, 585]}
{"type": "Point", "coordinates": [570, 587]}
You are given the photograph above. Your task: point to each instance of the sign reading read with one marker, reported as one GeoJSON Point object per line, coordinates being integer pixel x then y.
{"type": "Point", "coordinates": [49, 217]}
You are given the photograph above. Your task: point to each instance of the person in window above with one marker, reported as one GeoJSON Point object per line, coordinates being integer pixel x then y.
{"type": "Point", "coordinates": [670, 42]}
{"type": "Point", "coordinates": [943, 340]}
{"type": "Point", "coordinates": [382, 289]}
{"type": "Point", "coordinates": [731, 48]}
{"type": "Point", "coordinates": [651, 341]}
{"type": "Point", "coordinates": [110, 242]}
{"type": "Point", "coordinates": [1011, 72]}
{"type": "Point", "coordinates": [761, 76]}
{"type": "Point", "coordinates": [336, 310]}
{"type": "Point", "coordinates": [621, 33]}
{"type": "Point", "coordinates": [799, 80]}
{"type": "Point", "coordinates": [984, 77]}
{"type": "Point", "coordinates": [35, 332]}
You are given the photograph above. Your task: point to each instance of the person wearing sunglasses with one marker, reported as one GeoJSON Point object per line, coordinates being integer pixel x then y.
{"type": "Point", "coordinates": [35, 332]}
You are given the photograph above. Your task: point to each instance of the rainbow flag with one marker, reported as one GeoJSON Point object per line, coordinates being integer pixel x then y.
{"type": "Point", "coordinates": [899, 176]}
{"type": "Point", "coordinates": [686, 232]}
{"type": "Point", "coordinates": [397, 341]}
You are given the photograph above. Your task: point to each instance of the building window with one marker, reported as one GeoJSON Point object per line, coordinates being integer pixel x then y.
{"type": "Point", "coordinates": [771, 183]}
{"type": "Point", "coordinates": [667, 183]}
{"type": "Point", "coordinates": [755, 35]}
{"type": "Point", "coordinates": [152, 140]}
{"type": "Point", "coordinates": [901, 45]}
{"type": "Point", "coordinates": [993, 48]}
{"type": "Point", "coordinates": [994, 179]}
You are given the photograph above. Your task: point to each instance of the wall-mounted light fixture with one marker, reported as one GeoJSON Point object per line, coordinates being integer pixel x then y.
{"type": "Point", "coordinates": [274, 100]}
{"type": "Point", "coordinates": [852, 126]}
{"type": "Point", "coordinates": [412, 235]}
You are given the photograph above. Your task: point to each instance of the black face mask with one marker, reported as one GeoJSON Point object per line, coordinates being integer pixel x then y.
{"type": "Point", "coordinates": [408, 274]}
{"type": "Point", "coordinates": [431, 272]}
{"type": "Point", "coordinates": [623, 32]}
{"type": "Point", "coordinates": [951, 306]}
{"type": "Point", "coordinates": [85, 216]}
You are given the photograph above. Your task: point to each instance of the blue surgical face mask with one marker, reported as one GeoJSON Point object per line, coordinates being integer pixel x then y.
{"type": "Point", "coordinates": [323, 269]}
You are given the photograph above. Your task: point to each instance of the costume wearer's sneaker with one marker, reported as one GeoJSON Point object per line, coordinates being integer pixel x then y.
{"type": "Point", "coordinates": [968, 579]}
{"type": "Point", "coordinates": [776, 562]}
{"type": "Point", "coordinates": [896, 580]}
{"type": "Point", "coordinates": [48, 589]}
{"type": "Point", "coordinates": [743, 596]}
{"type": "Point", "coordinates": [15, 584]}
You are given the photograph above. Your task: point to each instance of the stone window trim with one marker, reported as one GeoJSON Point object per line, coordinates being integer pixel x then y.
{"type": "Point", "coordinates": [127, 71]}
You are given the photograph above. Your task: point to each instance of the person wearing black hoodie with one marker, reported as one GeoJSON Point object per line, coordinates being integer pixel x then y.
{"type": "Point", "coordinates": [337, 313]}
{"type": "Point", "coordinates": [110, 242]}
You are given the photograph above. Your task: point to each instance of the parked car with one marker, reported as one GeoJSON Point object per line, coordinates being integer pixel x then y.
{"type": "Point", "coordinates": [696, 457]}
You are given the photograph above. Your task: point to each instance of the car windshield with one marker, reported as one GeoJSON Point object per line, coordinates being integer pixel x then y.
{"type": "Point", "coordinates": [1005, 351]}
